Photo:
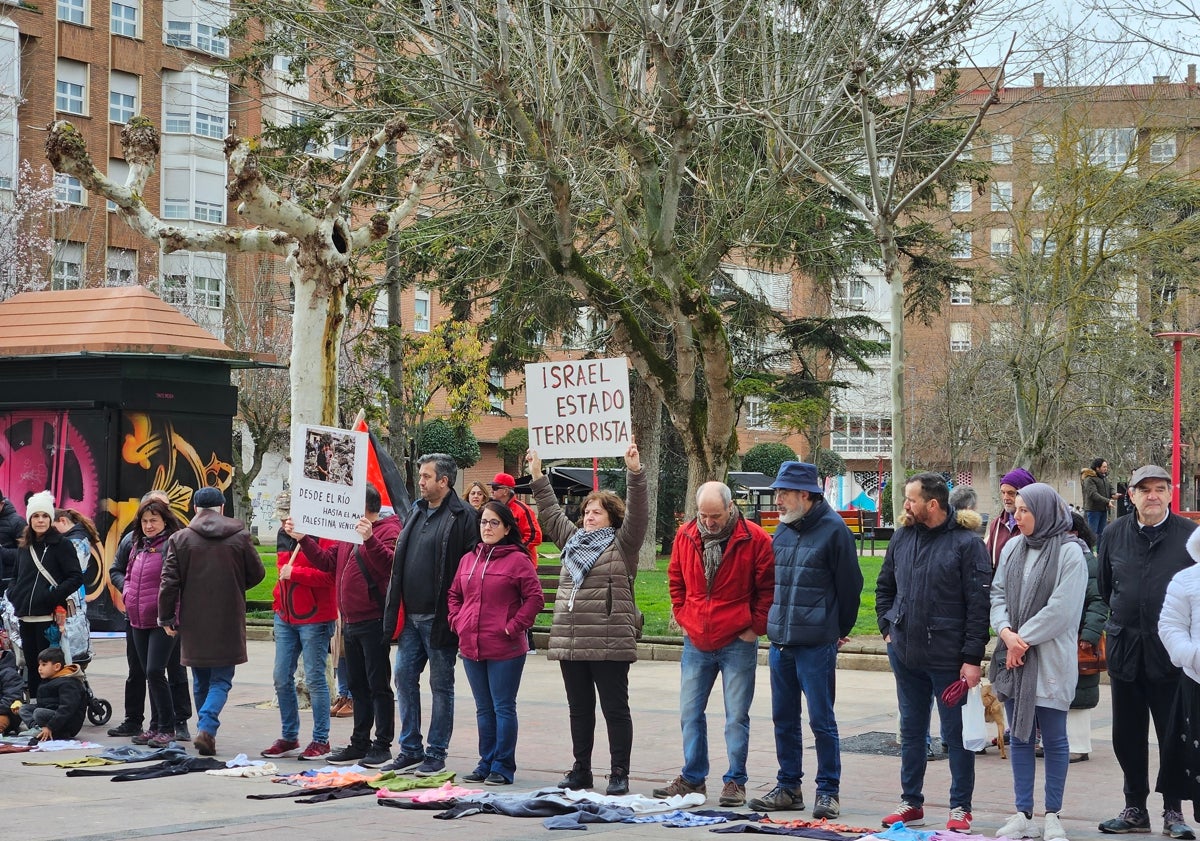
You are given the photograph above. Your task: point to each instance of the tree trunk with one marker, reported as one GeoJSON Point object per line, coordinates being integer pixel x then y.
{"type": "Point", "coordinates": [646, 412]}
{"type": "Point", "coordinates": [317, 318]}
{"type": "Point", "coordinates": [891, 270]}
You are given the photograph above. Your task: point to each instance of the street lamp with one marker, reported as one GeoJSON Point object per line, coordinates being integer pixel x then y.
{"type": "Point", "coordinates": [1176, 411]}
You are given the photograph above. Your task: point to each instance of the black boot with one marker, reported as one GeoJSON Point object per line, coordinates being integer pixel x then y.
{"type": "Point", "coordinates": [618, 782]}
{"type": "Point", "coordinates": [579, 777]}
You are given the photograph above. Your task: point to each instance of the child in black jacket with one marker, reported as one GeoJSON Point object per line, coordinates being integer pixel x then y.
{"type": "Point", "coordinates": [61, 699]}
{"type": "Point", "coordinates": [12, 687]}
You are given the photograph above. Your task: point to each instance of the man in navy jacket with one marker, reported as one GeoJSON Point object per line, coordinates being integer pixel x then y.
{"type": "Point", "coordinates": [818, 585]}
{"type": "Point", "coordinates": [932, 602]}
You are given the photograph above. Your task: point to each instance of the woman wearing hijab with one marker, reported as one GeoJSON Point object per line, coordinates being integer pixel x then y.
{"type": "Point", "coordinates": [594, 631]}
{"type": "Point", "coordinates": [1037, 599]}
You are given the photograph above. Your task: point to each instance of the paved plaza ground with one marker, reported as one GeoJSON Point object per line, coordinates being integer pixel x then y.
{"type": "Point", "coordinates": [41, 803]}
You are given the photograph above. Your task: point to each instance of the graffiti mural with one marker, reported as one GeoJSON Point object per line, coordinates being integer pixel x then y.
{"type": "Point", "coordinates": [101, 462]}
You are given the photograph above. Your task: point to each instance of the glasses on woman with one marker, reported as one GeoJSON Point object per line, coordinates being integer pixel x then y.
{"type": "Point", "coordinates": [490, 523]}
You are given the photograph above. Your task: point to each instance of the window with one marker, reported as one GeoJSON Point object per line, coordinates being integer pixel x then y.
{"type": "Point", "coordinates": [1039, 200]}
{"type": "Point", "coordinates": [1040, 244]}
{"type": "Point", "coordinates": [960, 294]}
{"type": "Point", "coordinates": [960, 245]}
{"type": "Point", "coordinates": [852, 292]}
{"type": "Point", "coordinates": [299, 120]}
{"type": "Point", "coordinates": [209, 292]}
{"type": "Point", "coordinates": [195, 283]}
{"type": "Point", "coordinates": [1002, 149]}
{"type": "Point", "coordinates": [1001, 242]}
{"type": "Point", "coordinates": [68, 266]}
{"type": "Point", "coordinates": [197, 194]}
{"type": "Point", "coordinates": [340, 147]}
{"type": "Point", "coordinates": [861, 434]}
{"type": "Point", "coordinates": [210, 125]}
{"type": "Point", "coordinates": [1110, 147]}
{"type": "Point", "coordinates": [773, 287]}
{"type": "Point", "coordinates": [173, 289]}
{"type": "Point", "coordinates": [120, 267]}
{"type": "Point", "coordinates": [1002, 195]}
{"type": "Point", "coordinates": [756, 414]}
{"type": "Point", "coordinates": [68, 189]}
{"type": "Point", "coordinates": [1041, 149]}
{"type": "Point", "coordinates": [70, 86]}
{"type": "Point", "coordinates": [10, 87]}
{"type": "Point", "coordinates": [960, 199]}
{"type": "Point", "coordinates": [496, 380]}
{"type": "Point", "coordinates": [123, 19]}
{"type": "Point", "coordinates": [118, 171]}
{"type": "Point", "coordinates": [72, 11]}
{"type": "Point", "coordinates": [421, 311]}
{"type": "Point", "coordinates": [122, 97]}
{"type": "Point", "coordinates": [195, 102]}
{"type": "Point", "coordinates": [960, 336]}
{"type": "Point", "coordinates": [196, 24]}
{"type": "Point", "coordinates": [1162, 148]}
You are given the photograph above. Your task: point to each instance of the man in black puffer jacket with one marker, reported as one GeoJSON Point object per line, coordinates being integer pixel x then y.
{"type": "Point", "coordinates": [1139, 555]}
{"type": "Point", "coordinates": [932, 602]}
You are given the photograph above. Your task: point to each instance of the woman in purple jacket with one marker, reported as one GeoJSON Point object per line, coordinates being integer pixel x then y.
{"type": "Point", "coordinates": [155, 522]}
{"type": "Point", "coordinates": [493, 601]}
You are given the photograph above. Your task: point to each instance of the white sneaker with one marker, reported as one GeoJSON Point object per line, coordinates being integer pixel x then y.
{"type": "Point", "coordinates": [1019, 826]}
{"type": "Point", "coordinates": [1054, 828]}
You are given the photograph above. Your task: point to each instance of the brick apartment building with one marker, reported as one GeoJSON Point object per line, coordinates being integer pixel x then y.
{"type": "Point", "coordinates": [1125, 129]}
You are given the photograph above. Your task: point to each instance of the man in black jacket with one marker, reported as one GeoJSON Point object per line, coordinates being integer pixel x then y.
{"type": "Point", "coordinates": [439, 531]}
{"type": "Point", "coordinates": [1138, 557]}
{"type": "Point", "coordinates": [12, 526]}
{"type": "Point", "coordinates": [931, 601]}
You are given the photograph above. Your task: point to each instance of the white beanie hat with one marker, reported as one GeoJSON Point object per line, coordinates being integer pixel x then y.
{"type": "Point", "coordinates": [40, 503]}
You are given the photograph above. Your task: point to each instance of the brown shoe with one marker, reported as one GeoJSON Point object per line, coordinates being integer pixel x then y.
{"type": "Point", "coordinates": [337, 704]}
{"type": "Point", "coordinates": [680, 786]}
{"type": "Point", "coordinates": [206, 743]}
{"type": "Point", "coordinates": [346, 710]}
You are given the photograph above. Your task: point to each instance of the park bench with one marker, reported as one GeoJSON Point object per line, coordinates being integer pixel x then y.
{"type": "Point", "coordinates": [859, 527]}
{"type": "Point", "coordinates": [549, 569]}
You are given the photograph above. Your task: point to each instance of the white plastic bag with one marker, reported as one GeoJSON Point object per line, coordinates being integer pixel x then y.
{"type": "Point", "coordinates": [974, 728]}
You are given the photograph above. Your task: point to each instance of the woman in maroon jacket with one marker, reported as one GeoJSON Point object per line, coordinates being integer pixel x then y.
{"type": "Point", "coordinates": [493, 601]}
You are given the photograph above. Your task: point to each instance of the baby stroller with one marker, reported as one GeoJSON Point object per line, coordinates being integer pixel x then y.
{"type": "Point", "coordinates": [99, 710]}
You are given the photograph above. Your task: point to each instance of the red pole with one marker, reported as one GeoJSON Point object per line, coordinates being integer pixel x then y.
{"type": "Point", "coordinates": [1176, 411]}
{"type": "Point", "coordinates": [595, 474]}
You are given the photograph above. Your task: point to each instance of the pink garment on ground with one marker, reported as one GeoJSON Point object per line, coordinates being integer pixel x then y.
{"type": "Point", "coordinates": [448, 791]}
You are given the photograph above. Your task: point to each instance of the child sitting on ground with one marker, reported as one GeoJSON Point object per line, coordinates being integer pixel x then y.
{"type": "Point", "coordinates": [61, 699]}
{"type": "Point", "coordinates": [12, 687]}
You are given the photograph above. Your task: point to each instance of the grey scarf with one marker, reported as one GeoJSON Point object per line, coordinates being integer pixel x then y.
{"type": "Point", "coordinates": [1025, 596]}
{"type": "Point", "coordinates": [713, 540]}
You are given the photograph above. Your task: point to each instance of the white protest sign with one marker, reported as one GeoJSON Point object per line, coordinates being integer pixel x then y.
{"type": "Point", "coordinates": [578, 409]}
{"type": "Point", "coordinates": [329, 481]}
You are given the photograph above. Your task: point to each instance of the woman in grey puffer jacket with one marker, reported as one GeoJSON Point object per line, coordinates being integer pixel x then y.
{"type": "Point", "coordinates": [594, 631]}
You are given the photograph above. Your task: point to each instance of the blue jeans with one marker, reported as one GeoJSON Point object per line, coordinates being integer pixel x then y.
{"type": "Point", "coordinates": [210, 688]}
{"type": "Point", "coordinates": [698, 672]}
{"type": "Point", "coordinates": [1053, 726]}
{"type": "Point", "coordinates": [312, 642]}
{"type": "Point", "coordinates": [1097, 520]}
{"type": "Point", "coordinates": [343, 677]}
{"type": "Point", "coordinates": [494, 684]}
{"type": "Point", "coordinates": [809, 670]}
{"type": "Point", "coordinates": [412, 655]}
{"type": "Point", "coordinates": [913, 690]}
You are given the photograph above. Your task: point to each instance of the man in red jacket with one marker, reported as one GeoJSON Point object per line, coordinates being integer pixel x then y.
{"type": "Point", "coordinates": [504, 490]}
{"type": "Point", "coordinates": [722, 578]}
{"type": "Point", "coordinates": [305, 613]}
{"type": "Point", "coordinates": [361, 574]}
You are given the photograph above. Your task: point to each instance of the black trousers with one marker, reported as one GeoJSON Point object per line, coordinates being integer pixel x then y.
{"type": "Point", "coordinates": [33, 642]}
{"type": "Point", "coordinates": [370, 673]}
{"type": "Point", "coordinates": [135, 685]}
{"type": "Point", "coordinates": [584, 679]}
{"type": "Point", "coordinates": [1134, 704]}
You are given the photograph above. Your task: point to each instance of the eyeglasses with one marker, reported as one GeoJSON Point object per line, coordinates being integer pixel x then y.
{"type": "Point", "coordinates": [490, 523]}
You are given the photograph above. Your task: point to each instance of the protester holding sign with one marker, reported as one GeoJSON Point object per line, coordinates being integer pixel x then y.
{"type": "Point", "coordinates": [594, 631]}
